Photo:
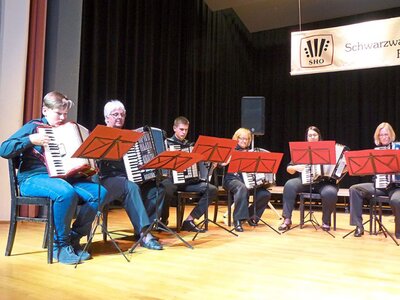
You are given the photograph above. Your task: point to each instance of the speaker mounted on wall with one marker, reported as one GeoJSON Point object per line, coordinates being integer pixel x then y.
{"type": "Point", "coordinates": [253, 114]}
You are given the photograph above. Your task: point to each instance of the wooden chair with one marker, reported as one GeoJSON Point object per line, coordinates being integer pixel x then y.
{"type": "Point", "coordinates": [182, 199]}
{"type": "Point", "coordinates": [313, 198]}
{"type": "Point", "coordinates": [16, 201]}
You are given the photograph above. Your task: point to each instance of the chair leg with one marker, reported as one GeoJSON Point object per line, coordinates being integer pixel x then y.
{"type": "Point", "coordinates": [179, 213]}
{"type": "Point", "coordinates": [105, 223]}
{"type": "Point", "coordinates": [229, 208]}
{"type": "Point", "coordinates": [301, 212]}
{"type": "Point", "coordinates": [334, 219]}
{"type": "Point", "coordinates": [12, 229]}
{"type": "Point", "coordinates": [11, 237]}
{"type": "Point", "coordinates": [216, 209]}
{"type": "Point", "coordinates": [50, 233]}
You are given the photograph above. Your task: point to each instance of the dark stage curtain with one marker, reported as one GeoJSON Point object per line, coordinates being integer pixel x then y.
{"type": "Point", "coordinates": [170, 58]}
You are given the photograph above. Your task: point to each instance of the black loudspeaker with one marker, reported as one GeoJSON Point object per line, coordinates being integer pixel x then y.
{"type": "Point", "coordinates": [253, 114]}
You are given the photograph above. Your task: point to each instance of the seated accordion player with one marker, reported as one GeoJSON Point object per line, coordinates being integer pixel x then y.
{"type": "Point", "coordinates": [64, 141]}
{"type": "Point", "coordinates": [333, 173]}
{"type": "Point", "coordinates": [384, 181]}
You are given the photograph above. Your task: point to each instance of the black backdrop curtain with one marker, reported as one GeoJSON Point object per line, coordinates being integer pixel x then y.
{"type": "Point", "coordinates": [170, 58]}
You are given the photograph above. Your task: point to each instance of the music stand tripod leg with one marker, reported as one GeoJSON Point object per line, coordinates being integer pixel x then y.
{"type": "Point", "coordinates": [206, 219]}
{"type": "Point", "coordinates": [156, 222]}
{"type": "Point", "coordinates": [255, 217]}
{"type": "Point", "coordinates": [99, 215]}
{"type": "Point", "coordinates": [385, 231]}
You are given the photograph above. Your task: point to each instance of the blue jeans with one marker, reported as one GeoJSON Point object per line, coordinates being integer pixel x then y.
{"type": "Point", "coordinates": [66, 194]}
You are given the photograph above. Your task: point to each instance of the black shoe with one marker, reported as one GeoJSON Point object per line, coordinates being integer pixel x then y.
{"type": "Point", "coordinates": [285, 225]}
{"type": "Point", "coordinates": [359, 231]}
{"type": "Point", "coordinates": [252, 222]}
{"type": "Point", "coordinates": [325, 227]}
{"type": "Point", "coordinates": [189, 225]}
{"type": "Point", "coordinates": [152, 244]}
{"type": "Point", "coordinates": [238, 226]}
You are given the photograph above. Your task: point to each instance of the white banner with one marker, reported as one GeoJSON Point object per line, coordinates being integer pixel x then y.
{"type": "Point", "coordinates": [358, 46]}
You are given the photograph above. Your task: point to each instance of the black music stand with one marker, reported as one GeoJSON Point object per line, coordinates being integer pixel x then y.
{"type": "Point", "coordinates": [255, 162]}
{"type": "Point", "coordinates": [373, 162]}
{"type": "Point", "coordinates": [168, 160]}
{"type": "Point", "coordinates": [214, 150]}
{"type": "Point", "coordinates": [111, 144]}
{"type": "Point", "coordinates": [310, 153]}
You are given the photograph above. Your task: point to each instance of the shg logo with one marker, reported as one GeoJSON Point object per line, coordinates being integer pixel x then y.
{"type": "Point", "coordinates": [316, 51]}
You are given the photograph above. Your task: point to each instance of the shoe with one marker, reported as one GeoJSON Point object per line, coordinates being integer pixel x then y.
{"type": "Point", "coordinates": [252, 222]}
{"type": "Point", "coordinates": [78, 249]}
{"type": "Point", "coordinates": [152, 244]}
{"type": "Point", "coordinates": [285, 225]}
{"type": "Point", "coordinates": [65, 255]}
{"type": "Point", "coordinates": [188, 225]}
{"type": "Point", "coordinates": [359, 231]}
{"type": "Point", "coordinates": [325, 227]}
{"type": "Point", "coordinates": [238, 226]}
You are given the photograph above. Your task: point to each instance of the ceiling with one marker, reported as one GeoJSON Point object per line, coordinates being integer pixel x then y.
{"type": "Point", "coordinates": [259, 15]}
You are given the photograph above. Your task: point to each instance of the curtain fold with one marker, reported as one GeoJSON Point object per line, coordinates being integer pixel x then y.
{"type": "Point", "coordinates": [34, 73]}
{"type": "Point", "coordinates": [35, 61]}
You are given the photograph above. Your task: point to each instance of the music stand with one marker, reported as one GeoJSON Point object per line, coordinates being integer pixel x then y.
{"type": "Point", "coordinates": [110, 144]}
{"type": "Point", "coordinates": [373, 162]}
{"type": "Point", "coordinates": [255, 162]}
{"type": "Point", "coordinates": [214, 150]}
{"type": "Point", "coordinates": [310, 153]}
{"type": "Point", "coordinates": [168, 160]}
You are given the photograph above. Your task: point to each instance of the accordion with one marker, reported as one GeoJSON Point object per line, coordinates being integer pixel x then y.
{"type": "Point", "coordinates": [333, 173]}
{"type": "Point", "coordinates": [149, 146]}
{"type": "Point", "coordinates": [197, 172]}
{"type": "Point", "coordinates": [64, 141]}
{"type": "Point", "coordinates": [383, 181]}
{"type": "Point", "coordinates": [252, 180]}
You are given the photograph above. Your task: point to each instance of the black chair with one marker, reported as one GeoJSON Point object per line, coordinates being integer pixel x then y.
{"type": "Point", "coordinates": [16, 201]}
{"type": "Point", "coordinates": [313, 198]}
{"type": "Point", "coordinates": [184, 198]}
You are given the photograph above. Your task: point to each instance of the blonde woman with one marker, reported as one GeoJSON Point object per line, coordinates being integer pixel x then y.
{"type": "Point", "coordinates": [383, 137]}
{"type": "Point", "coordinates": [233, 182]}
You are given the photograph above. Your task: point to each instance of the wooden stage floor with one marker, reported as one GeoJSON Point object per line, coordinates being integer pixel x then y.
{"type": "Point", "coordinates": [259, 264]}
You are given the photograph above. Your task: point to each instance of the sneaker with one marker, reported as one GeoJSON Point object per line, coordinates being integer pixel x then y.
{"type": "Point", "coordinates": [83, 255]}
{"type": "Point", "coordinates": [65, 255]}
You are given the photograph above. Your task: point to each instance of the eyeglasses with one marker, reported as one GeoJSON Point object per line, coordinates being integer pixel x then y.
{"type": "Point", "coordinates": [243, 138]}
{"type": "Point", "coordinates": [116, 115]}
{"type": "Point", "coordinates": [312, 135]}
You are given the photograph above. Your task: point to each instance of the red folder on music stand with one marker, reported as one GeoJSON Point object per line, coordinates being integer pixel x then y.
{"type": "Point", "coordinates": [254, 162]}
{"type": "Point", "coordinates": [173, 160]}
{"type": "Point", "coordinates": [373, 162]}
{"type": "Point", "coordinates": [107, 143]}
{"type": "Point", "coordinates": [313, 153]}
{"type": "Point", "coordinates": [214, 149]}
{"type": "Point", "coordinates": [111, 144]}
